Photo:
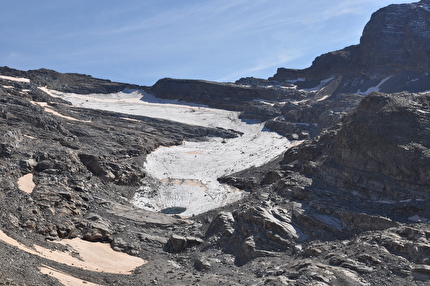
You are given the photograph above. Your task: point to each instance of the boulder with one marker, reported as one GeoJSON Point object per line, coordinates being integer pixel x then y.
{"type": "Point", "coordinates": [177, 243]}
{"type": "Point", "coordinates": [202, 264]}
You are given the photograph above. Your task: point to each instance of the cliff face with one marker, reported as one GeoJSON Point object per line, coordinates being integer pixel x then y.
{"type": "Point", "coordinates": [397, 37]}
{"type": "Point", "coordinates": [393, 55]}
{"type": "Point", "coordinates": [220, 95]}
{"type": "Point", "coordinates": [381, 150]}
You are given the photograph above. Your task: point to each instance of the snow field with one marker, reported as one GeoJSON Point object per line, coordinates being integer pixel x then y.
{"type": "Point", "coordinates": [186, 175]}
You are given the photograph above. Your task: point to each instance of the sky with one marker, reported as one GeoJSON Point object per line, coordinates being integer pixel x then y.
{"type": "Point", "coordinates": [141, 41]}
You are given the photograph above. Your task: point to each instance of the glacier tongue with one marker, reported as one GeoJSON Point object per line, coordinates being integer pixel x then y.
{"type": "Point", "coordinates": [189, 172]}
{"type": "Point", "coordinates": [185, 176]}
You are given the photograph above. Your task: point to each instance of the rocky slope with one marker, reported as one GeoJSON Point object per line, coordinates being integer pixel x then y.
{"type": "Point", "coordinates": [220, 95]}
{"type": "Point", "coordinates": [346, 206]}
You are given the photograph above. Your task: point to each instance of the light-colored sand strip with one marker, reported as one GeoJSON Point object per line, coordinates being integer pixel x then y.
{"type": "Point", "coordinates": [64, 278]}
{"type": "Point", "coordinates": [19, 79]}
{"type": "Point", "coordinates": [100, 257]}
{"type": "Point", "coordinates": [47, 109]}
{"type": "Point", "coordinates": [194, 152]}
{"type": "Point", "coordinates": [26, 184]}
{"type": "Point", "coordinates": [93, 256]}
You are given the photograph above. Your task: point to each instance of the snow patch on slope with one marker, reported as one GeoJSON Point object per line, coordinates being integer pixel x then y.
{"type": "Point", "coordinates": [186, 175]}
{"type": "Point", "coordinates": [373, 88]}
{"type": "Point", "coordinates": [322, 84]}
{"type": "Point", "coordinates": [17, 79]}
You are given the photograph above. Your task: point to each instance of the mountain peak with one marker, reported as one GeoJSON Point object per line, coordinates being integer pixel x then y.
{"type": "Point", "coordinates": [395, 41]}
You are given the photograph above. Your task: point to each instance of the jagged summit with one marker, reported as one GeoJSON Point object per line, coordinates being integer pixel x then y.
{"type": "Point", "coordinates": [395, 43]}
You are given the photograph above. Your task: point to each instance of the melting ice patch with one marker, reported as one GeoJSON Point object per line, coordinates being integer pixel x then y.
{"type": "Point", "coordinates": [185, 176]}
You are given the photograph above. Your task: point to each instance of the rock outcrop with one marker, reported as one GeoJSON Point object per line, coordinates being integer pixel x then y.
{"type": "Point", "coordinates": [67, 82]}
{"type": "Point", "coordinates": [221, 95]}
{"type": "Point", "coordinates": [393, 55]}
{"type": "Point", "coordinates": [381, 149]}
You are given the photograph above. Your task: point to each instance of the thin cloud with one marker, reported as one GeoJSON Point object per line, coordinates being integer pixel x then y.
{"type": "Point", "coordinates": [272, 62]}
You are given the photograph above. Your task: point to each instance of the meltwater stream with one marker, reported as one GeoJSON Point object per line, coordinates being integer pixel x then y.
{"type": "Point", "coordinates": [185, 176]}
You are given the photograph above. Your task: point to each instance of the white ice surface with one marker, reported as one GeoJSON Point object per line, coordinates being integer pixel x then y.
{"type": "Point", "coordinates": [187, 174]}
{"type": "Point", "coordinates": [18, 79]}
{"type": "Point", "coordinates": [374, 88]}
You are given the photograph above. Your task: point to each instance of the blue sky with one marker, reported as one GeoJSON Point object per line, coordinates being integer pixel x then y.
{"type": "Point", "coordinates": [141, 41]}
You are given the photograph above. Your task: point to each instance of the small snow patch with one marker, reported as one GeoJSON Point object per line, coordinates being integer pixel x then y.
{"type": "Point", "coordinates": [425, 7]}
{"type": "Point", "coordinates": [417, 218]}
{"type": "Point", "coordinates": [374, 88]}
{"type": "Point", "coordinates": [322, 84]}
{"type": "Point", "coordinates": [49, 110]}
{"type": "Point", "coordinates": [323, 98]}
{"type": "Point", "coordinates": [11, 78]}
{"type": "Point", "coordinates": [296, 80]}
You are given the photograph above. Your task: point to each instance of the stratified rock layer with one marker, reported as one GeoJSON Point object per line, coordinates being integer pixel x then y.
{"type": "Point", "coordinates": [395, 43]}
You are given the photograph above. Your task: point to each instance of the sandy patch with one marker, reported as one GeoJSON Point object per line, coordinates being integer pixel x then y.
{"type": "Point", "coordinates": [65, 278]}
{"type": "Point", "coordinates": [47, 109]}
{"type": "Point", "coordinates": [194, 152]}
{"type": "Point", "coordinates": [190, 183]}
{"type": "Point", "coordinates": [93, 256]}
{"type": "Point", "coordinates": [26, 184]}
{"type": "Point", "coordinates": [98, 256]}
{"type": "Point", "coordinates": [18, 79]}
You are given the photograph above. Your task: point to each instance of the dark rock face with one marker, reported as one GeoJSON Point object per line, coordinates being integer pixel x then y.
{"type": "Point", "coordinates": [395, 42]}
{"type": "Point", "coordinates": [219, 95]}
{"type": "Point", "coordinates": [397, 37]}
{"type": "Point", "coordinates": [261, 111]}
{"type": "Point", "coordinates": [385, 144]}
{"type": "Point", "coordinates": [381, 150]}
{"type": "Point", "coordinates": [68, 82]}
{"type": "Point", "coordinates": [254, 232]}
